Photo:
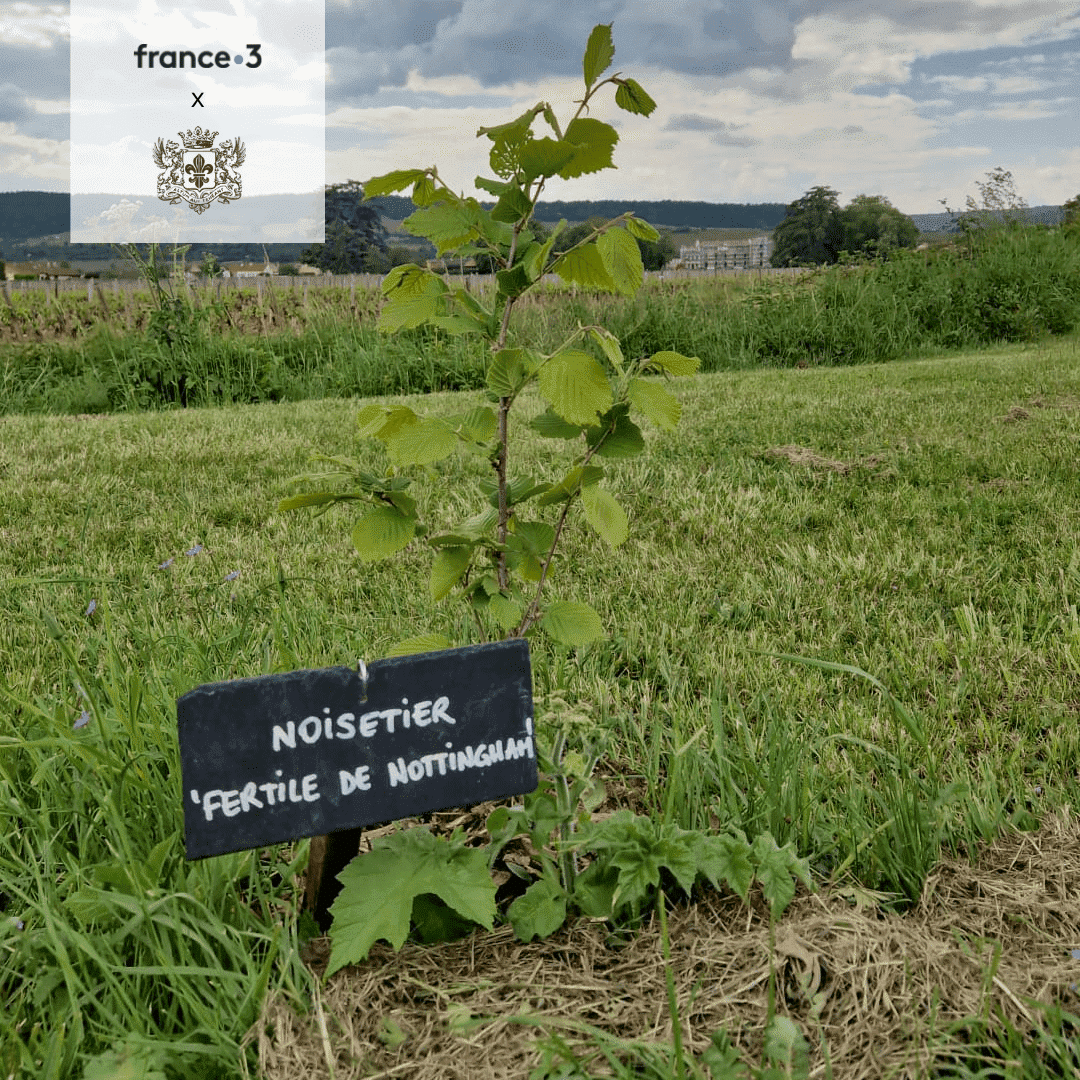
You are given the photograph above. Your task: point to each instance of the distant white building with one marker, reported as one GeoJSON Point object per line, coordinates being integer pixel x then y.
{"type": "Point", "coordinates": [726, 254]}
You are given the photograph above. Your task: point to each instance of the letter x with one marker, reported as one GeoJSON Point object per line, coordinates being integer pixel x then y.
{"type": "Point", "coordinates": [198, 100]}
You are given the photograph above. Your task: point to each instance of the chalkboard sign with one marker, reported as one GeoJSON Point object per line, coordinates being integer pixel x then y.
{"type": "Point", "coordinates": [311, 752]}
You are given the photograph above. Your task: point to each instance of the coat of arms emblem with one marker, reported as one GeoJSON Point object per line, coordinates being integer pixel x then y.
{"type": "Point", "coordinates": [200, 173]}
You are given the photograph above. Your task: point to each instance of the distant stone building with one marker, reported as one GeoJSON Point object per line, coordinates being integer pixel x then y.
{"type": "Point", "coordinates": [242, 269]}
{"type": "Point", "coordinates": [726, 254]}
{"type": "Point", "coordinates": [42, 270]}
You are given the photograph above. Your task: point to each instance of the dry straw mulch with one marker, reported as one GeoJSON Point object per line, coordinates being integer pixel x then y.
{"type": "Point", "coordinates": [877, 988]}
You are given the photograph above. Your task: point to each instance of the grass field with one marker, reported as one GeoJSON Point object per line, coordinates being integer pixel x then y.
{"type": "Point", "coordinates": [915, 519]}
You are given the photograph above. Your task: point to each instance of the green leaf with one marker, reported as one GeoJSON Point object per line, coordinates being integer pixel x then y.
{"type": "Point", "coordinates": [422, 442]}
{"type": "Point", "coordinates": [390, 182]}
{"type": "Point", "coordinates": [585, 266]}
{"type": "Point", "coordinates": [126, 1061]}
{"type": "Point", "coordinates": [569, 484]}
{"type": "Point", "coordinates": [552, 426]}
{"type": "Point", "coordinates": [477, 425]}
{"type": "Point", "coordinates": [507, 612]}
{"type": "Point", "coordinates": [495, 187]}
{"type": "Point", "coordinates": [424, 192]}
{"type": "Point", "coordinates": [458, 324]}
{"type": "Point", "coordinates": [594, 890]}
{"type": "Point", "coordinates": [382, 532]}
{"type": "Point", "coordinates": [411, 296]}
{"type": "Point", "coordinates": [599, 52]}
{"type": "Point", "coordinates": [513, 204]}
{"type": "Point", "coordinates": [775, 868]}
{"type": "Point", "coordinates": [539, 911]}
{"type": "Point", "coordinates": [534, 537]}
{"type": "Point", "coordinates": [378, 890]}
{"type": "Point", "coordinates": [632, 98]}
{"type": "Point", "coordinates": [726, 859]}
{"type": "Point", "coordinates": [446, 225]}
{"type": "Point", "coordinates": [622, 260]}
{"type": "Point", "coordinates": [575, 386]}
{"type": "Point", "coordinates": [508, 372]}
{"type": "Point", "coordinates": [610, 344]}
{"type": "Point", "coordinates": [674, 363]}
{"type": "Point", "coordinates": [513, 282]}
{"type": "Point", "coordinates": [604, 514]}
{"type": "Point", "coordinates": [420, 644]}
{"type": "Point", "coordinates": [622, 438]}
{"type": "Point", "coordinates": [572, 623]}
{"type": "Point", "coordinates": [371, 418]}
{"type": "Point", "coordinates": [655, 402]}
{"type": "Point", "coordinates": [642, 230]}
{"type": "Point", "coordinates": [447, 569]}
{"type": "Point", "coordinates": [594, 141]}
{"type": "Point", "coordinates": [544, 157]}
{"type": "Point", "coordinates": [518, 490]}
{"type": "Point", "coordinates": [436, 922]}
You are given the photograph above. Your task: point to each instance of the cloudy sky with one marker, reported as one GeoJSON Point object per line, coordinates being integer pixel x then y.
{"type": "Point", "coordinates": [916, 100]}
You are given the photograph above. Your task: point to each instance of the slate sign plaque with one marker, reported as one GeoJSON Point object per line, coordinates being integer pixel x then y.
{"type": "Point", "coordinates": [302, 754]}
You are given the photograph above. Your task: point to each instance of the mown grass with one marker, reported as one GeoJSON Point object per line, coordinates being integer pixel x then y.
{"type": "Point", "coordinates": [914, 519]}
{"type": "Point", "coordinates": [1014, 285]}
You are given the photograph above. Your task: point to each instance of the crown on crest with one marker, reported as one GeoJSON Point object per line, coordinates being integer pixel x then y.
{"type": "Point", "coordinates": [198, 139]}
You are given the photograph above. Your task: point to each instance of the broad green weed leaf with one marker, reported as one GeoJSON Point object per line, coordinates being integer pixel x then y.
{"type": "Point", "coordinates": [382, 532]}
{"type": "Point", "coordinates": [126, 1061]}
{"type": "Point", "coordinates": [572, 623]}
{"type": "Point", "coordinates": [642, 230]}
{"type": "Point", "coordinates": [776, 869]}
{"type": "Point", "coordinates": [594, 890]}
{"type": "Point", "coordinates": [599, 52]}
{"type": "Point", "coordinates": [594, 142]}
{"type": "Point", "coordinates": [726, 859]}
{"type": "Point", "coordinates": [632, 98]}
{"type": "Point", "coordinates": [390, 182]}
{"type": "Point", "coordinates": [422, 443]}
{"type": "Point", "coordinates": [604, 514]}
{"type": "Point", "coordinates": [622, 260]}
{"type": "Point", "coordinates": [422, 643]}
{"type": "Point", "coordinates": [378, 890]}
{"type": "Point", "coordinates": [655, 403]}
{"type": "Point", "coordinates": [674, 363]}
{"type": "Point", "coordinates": [585, 266]}
{"type": "Point", "coordinates": [786, 1046]}
{"type": "Point", "coordinates": [435, 922]}
{"type": "Point", "coordinates": [539, 911]}
{"type": "Point", "coordinates": [447, 569]}
{"type": "Point", "coordinates": [575, 386]}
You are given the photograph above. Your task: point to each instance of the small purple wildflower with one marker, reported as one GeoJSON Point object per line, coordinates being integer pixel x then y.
{"type": "Point", "coordinates": [194, 550]}
{"type": "Point", "coordinates": [165, 565]}
{"type": "Point", "coordinates": [18, 923]}
{"type": "Point", "coordinates": [91, 607]}
{"type": "Point", "coordinates": [83, 720]}
{"type": "Point", "coordinates": [232, 577]}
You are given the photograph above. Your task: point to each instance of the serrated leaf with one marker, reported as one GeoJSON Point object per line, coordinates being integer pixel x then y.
{"type": "Point", "coordinates": [479, 424]}
{"type": "Point", "coordinates": [575, 386]}
{"type": "Point", "coordinates": [610, 345]}
{"type": "Point", "coordinates": [579, 475]}
{"type": "Point", "coordinates": [599, 52]}
{"type": "Point", "coordinates": [447, 569]}
{"type": "Point", "coordinates": [424, 192]}
{"type": "Point", "coordinates": [622, 260]}
{"type": "Point", "coordinates": [422, 443]}
{"type": "Point", "coordinates": [543, 157]}
{"type": "Point", "coordinates": [458, 324]}
{"type": "Point", "coordinates": [382, 532]}
{"type": "Point", "coordinates": [773, 868]}
{"type": "Point", "coordinates": [594, 890]}
{"type": "Point", "coordinates": [378, 890]}
{"type": "Point", "coordinates": [371, 418]}
{"type": "Point", "coordinates": [726, 859]}
{"type": "Point", "coordinates": [632, 98]}
{"type": "Point", "coordinates": [513, 282]}
{"type": "Point", "coordinates": [422, 643]}
{"type": "Point", "coordinates": [535, 537]}
{"type": "Point", "coordinates": [507, 373]}
{"type": "Point", "coordinates": [675, 363]}
{"type": "Point", "coordinates": [552, 426]}
{"type": "Point", "coordinates": [494, 187]}
{"type": "Point", "coordinates": [507, 611]}
{"type": "Point", "coordinates": [452, 539]}
{"type": "Point", "coordinates": [539, 911]}
{"type": "Point", "coordinates": [624, 440]}
{"type": "Point", "coordinates": [411, 302]}
{"type": "Point", "coordinates": [642, 230]}
{"type": "Point", "coordinates": [655, 403]}
{"type": "Point", "coordinates": [594, 141]}
{"type": "Point", "coordinates": [513, 204]}
{"type": "Point", "coordinates": [390, 182]}
{"type": "Point", "coordinates": [435, 922]}
{"type": "Point", "coordinates": [605, 515]}
{"type": "Point", "coordinates": [585, 266]}
{"type": "Point", "coordinates": [572, 623]}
